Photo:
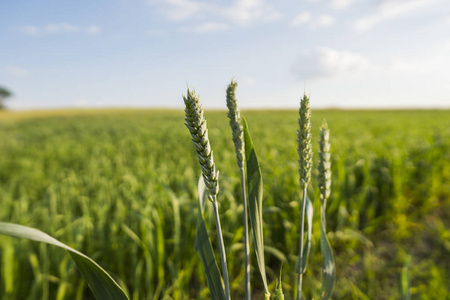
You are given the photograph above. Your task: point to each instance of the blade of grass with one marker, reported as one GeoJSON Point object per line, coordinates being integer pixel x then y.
{"type": "Point", "coordinates": [255, 197]}
{"type": "Point", "coordinates": [204, 248]}
{"type": "Point", "coordinates": [100, 282]}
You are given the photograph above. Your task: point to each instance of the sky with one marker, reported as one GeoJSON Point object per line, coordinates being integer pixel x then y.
{"type": "Point", "coordinates": [145, 53]}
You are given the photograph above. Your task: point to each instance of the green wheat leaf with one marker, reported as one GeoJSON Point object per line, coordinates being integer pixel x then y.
{"type": "Point", "coordinates": [255, 197]}
{"type": "Point", "coordinates": [100, 282]}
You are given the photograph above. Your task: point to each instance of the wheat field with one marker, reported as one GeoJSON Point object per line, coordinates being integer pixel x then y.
{"type": "Point", "coordinates": [121, 187]}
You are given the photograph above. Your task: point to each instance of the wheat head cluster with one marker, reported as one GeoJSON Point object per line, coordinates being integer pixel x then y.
{"type": "Point", "coordinates": [252, 204]}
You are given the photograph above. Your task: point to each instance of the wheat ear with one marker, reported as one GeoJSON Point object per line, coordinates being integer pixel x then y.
{"type": "Point", "coordinates": [305, 165]}
{"type": "Point", "coordinates": [196, 123]}
{"type": "Point", "coordinates": [324, 167]}
{"type": "Point", "coordinates": [235, 122]}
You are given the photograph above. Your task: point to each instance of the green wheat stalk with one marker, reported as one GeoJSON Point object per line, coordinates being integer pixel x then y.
{"type": "Point", "coordinates": [305, 162]}
{"type": "Point", "coordinates": [324, 179]}
{"type": "Point", "coordinates": [238, 139]}
{"type": "Point", "coordinates": [196, 123]}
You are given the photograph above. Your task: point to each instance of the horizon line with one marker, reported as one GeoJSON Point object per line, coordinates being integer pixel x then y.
{"type": "Point", "coordinates": [117, 108]}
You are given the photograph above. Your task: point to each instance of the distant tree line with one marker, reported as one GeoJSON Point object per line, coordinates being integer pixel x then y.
{"type": "Point", "coordinates": [4, 94]}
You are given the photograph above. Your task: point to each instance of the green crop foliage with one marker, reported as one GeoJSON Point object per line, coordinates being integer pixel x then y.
{"type": "Point", "coordinates": [121, 187]}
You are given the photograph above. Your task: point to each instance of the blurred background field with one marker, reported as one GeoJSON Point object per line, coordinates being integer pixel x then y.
{"type": "Point", "coordinates": [120, 186]}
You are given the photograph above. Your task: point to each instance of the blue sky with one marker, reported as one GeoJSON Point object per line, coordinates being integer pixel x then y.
{"type": "Point", "coordinates": [143, 53]}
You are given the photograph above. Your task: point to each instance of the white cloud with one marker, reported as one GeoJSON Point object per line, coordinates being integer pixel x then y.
{"type": "Point", "coordinates": [327, 62]}
{"type": "Point", "coordinates": [239, 11]}
{"type": "Point", "coordinates": [245, 11]}
{"type": "Point", "coordinates": [402, 65]}
{"type": "Point", "coordinates": [340, 4]}
{"type": "Point", "coordinates": [181, 9]}
{"type": "Point", "coordinates": [425, 65]}
{"type": "Point", "coordinates": [306, 18]}
{"type": "Point", "coordinates": [323, 21]}
{"type": "Point", "coordinates": [446, 45]}
{"type": "Point", "coordinates": [17, 72]}
{"type": "Point", "coordinates": [210, 27]}
{"type": "Point", "coordinates": [93, 29]}
{"type": "Point", "coordinates": [330, 63]}
{"type": "Point", "coordinates": [31, 30]}
{"type": "Point", "coordinates": [59, 28]}
{"type": "Point", "coordinates": [301, 18]}
{"type": "Point", "coordinates": [390, 9]}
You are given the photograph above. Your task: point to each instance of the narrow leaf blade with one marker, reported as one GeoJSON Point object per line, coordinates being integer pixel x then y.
{"type": "Point", "coordinates": [255, 197]}
{"type": "Point", "coordinates": [100, 282]}
{"type": "Point", "coordinates": [205, 251]}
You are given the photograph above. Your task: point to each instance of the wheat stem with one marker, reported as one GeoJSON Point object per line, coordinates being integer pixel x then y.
{"type": "Point", "coordinates": [221, 248]}
{"type": "Point", "coordinates": [302, 228]}
{"type": "Point", "coordinates": [246, 238]}
{"type": "Point", "coordinates": [238, 139]}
